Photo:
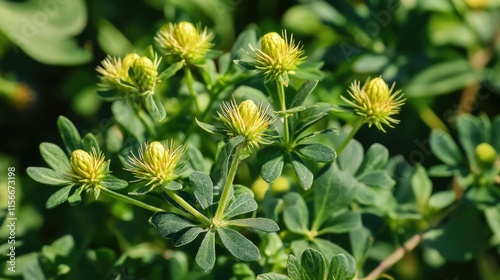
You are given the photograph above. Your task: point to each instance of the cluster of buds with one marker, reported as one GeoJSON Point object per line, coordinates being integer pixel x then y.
{"type": "Point", "coordinates": [246, 119]}
{"type": "Point", "coordinates": [183, 41]}
{"type": "Point", "coordinates": [88, 170]}
{"type": "Point", "coordinates": [375, 102]}
{"type": "Point", "coordinates": [277, 57]}
{"type": "Point", "coordinates": [156, 164]}
{"type": "Point", "coordinates": [114, 74]}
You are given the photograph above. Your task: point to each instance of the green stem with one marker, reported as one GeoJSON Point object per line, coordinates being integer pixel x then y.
{"type": "Point", "coordinates": [130, 200]}
{"type": "Point", "coordinates": [179, 200]}
{"type": "Point", "coordinates": [356, 127]}
{"type": "Point", "coordinates": [189, 82]}
{"type": "Point", "coordinates": [224, 198]}
{"type": "Point", "coordinates": [281, 95]}
{"type": "Point", "coordinates": [430, 118]}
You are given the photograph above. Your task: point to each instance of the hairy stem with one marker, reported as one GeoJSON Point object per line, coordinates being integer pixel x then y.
{"type": "Point", "coordinates": [130, 200]}
{"type": "Point", "coordinates": [355, 128]}
{"type": "Point", "coordinates": [281, 95]}
{"type": "Point", "coordinates": [224, 198]}
{"type": "Point", "coordinates": [190, 82]}
{"type": "Point", "coordinates": [190, 209]}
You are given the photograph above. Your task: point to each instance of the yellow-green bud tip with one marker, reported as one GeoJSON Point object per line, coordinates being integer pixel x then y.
{"type": "Point", "coordinates": [485, 154]}
{"type": "Point", "coordinates": [272, 44]}
{"type": "Point", "coordinates": [183, 41]}
{"type": "Point", "coordinates": [377, 90]}
{"type": "Point", "coordinates": [87, 168]}
{"type": "Point", "coordinates": [145, 74]}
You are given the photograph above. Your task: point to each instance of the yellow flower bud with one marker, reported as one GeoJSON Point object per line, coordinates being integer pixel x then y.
{"type": "Point", "coordinates": [246, 119]}
{"type": "Point", "coordinates": [88, 169]}
{"type": "Point", "coordinates": [127, 63]}
{"type": "Point", "coordinates": [377, 90]}
{"type": "Point", "coordinates": [183, 41]}
{"type": "Point", "coordinates": [281, 184]}
{"type": "Point", "coordinates": [375, 102]}
{"type": "Point", "coordinates": [277, 57]}
{"type": "Point", "coordinates": [486, 155]}
{"type": "Point", "coordinates": [477, 4]}
{"type": "Point", "coordinates": [157, 164]}
{"type": "Point", "coordinates": [145, 74]}
{"type": "Point", "coordinates": [259, 188]}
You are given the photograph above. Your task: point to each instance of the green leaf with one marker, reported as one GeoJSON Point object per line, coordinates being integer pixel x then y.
{"type": "Point", "coordinates": [442, 170]}
{"type": "Point", "coordinates": [377, 178]}
{"type": "Point", "coordinates": [442, 199]}
{"type": "Point", "coordinates": [195, 158]}
{"type": "Point", "coordinates": [241, 205]}
{"type": "Point", "coordinates": [470, 133]}
{"type": "Point", "coordinates": [293, 268]}
{"type": "Point", "coordinates": [238, 245]}
{"type": "Point", "coordinates": [303, 173]}
{"type": "Point", "coordinates": [187, 236]}
{"type": "Point", "coordinates": [128, 119]}
{"type": "Point", "coordinates": [495, 133]}
{"type": "Point", "coordinates": [55, 157]}
{"type": "Point", "coordinates": [376, 157]}
{"type": "Point", "coordinates": [171, 70]}
{"type": "Point", "coordinates": [45, 30]}
{"type": "Point", "coordinates": [492, 215]}
{"type": "Point", "coordinates": [69, 134]}
{"type": "Point", "coordinates": [75, 198]}
{"type": "Point", "coordinates": [313, 265]}
{"type": "Point", "coordinates": [168, 224]}
{"type": "Point", "coordinates": [47, 176]}
{"type": "Point", "coordinates": [173, 186]}
{"type": "Point", "coordinates": [339, 268]}
{"type": "Point", "coordinates": [89, 142]}
{"type": "Point", "coordinates": [58, 197]}
{"type": "Point", "coordinates": [247, 37]}
{"type": "Point", "coordinates": [441, 78]}
{"type": "Point", "coordinates": [333, 190]}
{"type": "Point", "coordinates": [203, 188]}
{"type": "Point", "coordinates": [272, 276]}
{"type": "Point", "coordinates": [351, 158]}
{"type": "Point", "coordinates": [291, 111]}
{"type": "Point", "coordinates": [225, 157]}
{"type": "Point", "coordinates": [205, 257]}
{"type": "Point", "coordinates": [421, 186]}
{"type": "Point", "coordinates": [111, 40]}
{"type": "Point", "coordinates": [343, 222]}
{"type": "Point", "coordinates": [316, 152]}
{"type": "Point", "coordinates": [361, 241]}
{"type": "Point", "coordinates": [330, 250]}
{"type": "Point", "coordinates": [262, 224]}
{"type": "Point", "coordinates": [209, 128]}
{"type": "Point", "coordinates": [113, 183]}
{"type": "Point", "coordinates": [445, 148]}
{"type": "Point", "coordinates": [245, 92]}
{"type": "Point", "coordinates": [272, 169]}
{"type": "Point", "coordinates": [296, 219]}
{"type": "Point", "coordinates": [305, 89]}
{"type": "Point", "coordinates": [463, 237]}
{"type": "Point", "coordinates": [310, 116]}
{"type": "Point", "coordinates": [155, 107]}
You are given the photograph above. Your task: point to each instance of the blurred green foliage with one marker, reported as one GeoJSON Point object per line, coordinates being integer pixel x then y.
{"type": "Point", "coordinates": [443, 54]}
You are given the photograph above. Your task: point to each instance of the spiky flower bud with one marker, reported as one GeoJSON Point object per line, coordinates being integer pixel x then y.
{"type": "Point", "coordinates": [88, 169]}
{"type": "Point", "coordinates": [486, 155]}
{"type": "Point", "coordinates": [277, 57]}
{"type": "Point", "coordinates": [156, 164]}
{"type": "Point", "coordinates": [114, 70]}
{"type": "Point", "coordinates": [246, 119]}
{"type": "Point", "coordinates": [145, 74]}
{"type": "Point", "coordinates": [375, 102]}
{"type": "Point", "coordinates": [183, 41]}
